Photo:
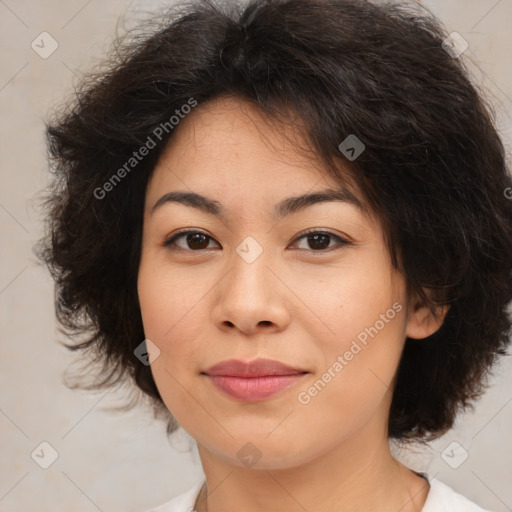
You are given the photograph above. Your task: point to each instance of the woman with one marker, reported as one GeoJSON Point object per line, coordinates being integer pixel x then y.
{"type": "Point", "coordinates": [287, 224]}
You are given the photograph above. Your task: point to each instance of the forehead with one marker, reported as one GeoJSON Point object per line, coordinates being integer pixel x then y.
{"type": "Point", "coordinates": [229, 143]}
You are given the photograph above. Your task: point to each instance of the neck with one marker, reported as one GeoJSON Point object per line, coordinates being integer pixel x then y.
{"type": "Point", "coordinates": [356, 476]}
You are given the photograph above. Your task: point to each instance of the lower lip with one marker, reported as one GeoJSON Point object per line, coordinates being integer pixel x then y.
{"type": "Point", "coordinates": [252, 389]}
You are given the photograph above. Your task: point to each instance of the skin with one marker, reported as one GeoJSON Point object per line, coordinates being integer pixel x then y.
{"type": "Point", "coordinates": [295, 304]}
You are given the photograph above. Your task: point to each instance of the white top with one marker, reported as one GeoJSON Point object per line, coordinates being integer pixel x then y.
{"type": "Point", "coordinates": [441, 498]}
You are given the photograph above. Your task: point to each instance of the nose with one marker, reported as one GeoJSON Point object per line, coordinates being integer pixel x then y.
{"type": "Point", "coordinates": [251, 298]}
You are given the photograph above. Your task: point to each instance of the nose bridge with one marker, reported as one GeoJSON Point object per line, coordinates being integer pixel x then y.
{"type": "Point", "coordinates": [249, 262]}
{"type": "Point", "coordinates": [249, 296]}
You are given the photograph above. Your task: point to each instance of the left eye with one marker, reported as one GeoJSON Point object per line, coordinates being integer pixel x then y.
{"type": "Point", "coordinates": [319, 240]}
{"type": "Point", "coordinates": [198, 241]}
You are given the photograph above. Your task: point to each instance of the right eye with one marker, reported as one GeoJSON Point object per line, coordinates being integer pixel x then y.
{"type": "Point", "coordinates": [194, 241]}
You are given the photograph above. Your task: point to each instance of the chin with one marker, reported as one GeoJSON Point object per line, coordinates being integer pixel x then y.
{"type": "Point", "coordinates": [260, 451]}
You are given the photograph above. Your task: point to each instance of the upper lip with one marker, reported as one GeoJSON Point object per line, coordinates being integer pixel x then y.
{"type": "Point", "coordinates": [256, 368]}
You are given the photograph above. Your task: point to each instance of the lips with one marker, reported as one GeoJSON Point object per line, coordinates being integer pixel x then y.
{"type": "Point", "coordinates": [256, 368]}
{"type": "Point", "coordinates": [255, 380]}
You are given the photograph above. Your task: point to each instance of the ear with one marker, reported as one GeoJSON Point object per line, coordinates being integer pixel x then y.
{"type": "Point", "coordinates": [422, 321]}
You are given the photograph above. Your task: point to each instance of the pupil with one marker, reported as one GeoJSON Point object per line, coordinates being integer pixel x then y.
{"type": "Point", "coordinates": [322, 245]}
{"type": "Point", "coordinates": [194, 245]}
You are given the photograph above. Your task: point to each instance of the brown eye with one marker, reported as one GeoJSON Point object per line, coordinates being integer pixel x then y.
{"type": "Point", "coordinates": [320, 241]}
{"type": "Point", "coordinates": [193, 241]}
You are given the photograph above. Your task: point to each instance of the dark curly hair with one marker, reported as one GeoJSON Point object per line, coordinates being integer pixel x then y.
{"type": "Point", "coordinates": [433, 170]}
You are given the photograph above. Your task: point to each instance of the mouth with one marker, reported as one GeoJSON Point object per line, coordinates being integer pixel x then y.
{"type": "Point", "coordinates": [253, 389]}
{"type": "Point", "coordinates": [253, 381]}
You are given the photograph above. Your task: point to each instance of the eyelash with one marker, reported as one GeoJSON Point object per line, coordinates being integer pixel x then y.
{"type": "Point", "coordinates": [341, 241]}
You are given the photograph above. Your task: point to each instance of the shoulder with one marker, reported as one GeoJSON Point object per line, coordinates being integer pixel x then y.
{"type": "Point", "coordinates": [442, 498]}
{"type": "Point", "coordinates": [184, 502]}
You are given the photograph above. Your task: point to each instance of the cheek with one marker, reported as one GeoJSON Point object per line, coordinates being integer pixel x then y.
{"type": "Point", "coordinates": [173, 318]}
{"type": "Point", "coordinates": [169, 301]}
{"type": "Point", "coordinates": [358, 303]}
{"type": "Point", "coordinates": [364, 309]}
{"type": "Point", "coordinates": [355, 385]}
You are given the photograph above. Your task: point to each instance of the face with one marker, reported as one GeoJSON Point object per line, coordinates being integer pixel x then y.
{"type": "Point", "coordinates": [310, 287]}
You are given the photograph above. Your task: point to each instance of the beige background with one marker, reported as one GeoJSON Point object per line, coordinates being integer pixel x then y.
{"type": "Point", "coordinates": [124, 462]}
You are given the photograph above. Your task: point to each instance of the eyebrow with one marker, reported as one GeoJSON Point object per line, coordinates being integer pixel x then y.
{"type": "Point", "coordinates": [286, 207]}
